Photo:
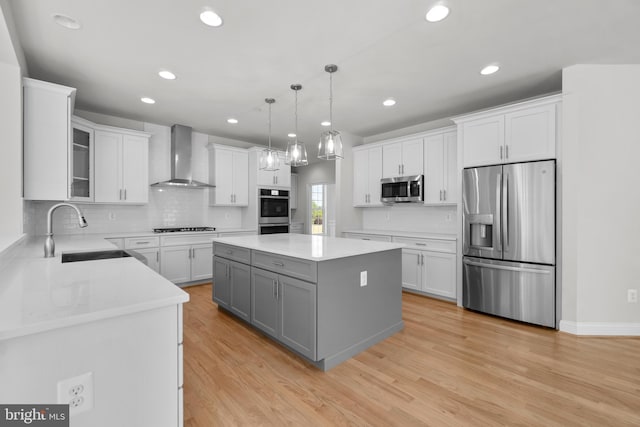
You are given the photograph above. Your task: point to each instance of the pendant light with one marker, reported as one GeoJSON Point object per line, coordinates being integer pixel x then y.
{"type": "Point", "coordinates": [330, 146]}
{"type": "Point", "coordinates": [296, 151]}
{"type": "Point", "coordinates": [269, 160]}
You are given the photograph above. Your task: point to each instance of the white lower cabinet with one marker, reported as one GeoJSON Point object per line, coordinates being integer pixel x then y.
{"type": "Point", "coordinates": [429, 266]}
{"type": "Point", "coordinates": [186, 263]}
{"type": "Point", "coordinates": [152, 257]}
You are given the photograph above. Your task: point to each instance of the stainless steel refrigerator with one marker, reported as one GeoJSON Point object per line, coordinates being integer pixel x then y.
{"type": "Point", "coordinates": [509, 241]}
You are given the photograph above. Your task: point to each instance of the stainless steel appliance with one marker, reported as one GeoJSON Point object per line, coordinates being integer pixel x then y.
{"type": "Point", "coordinates": [182, 229]}
{"type": "Point", "coordinates": [404, 189]}
{"type": "Point", "coordinates": [273, 206]}
{"type": "Point", "coordinates": [273, 228]}
{"type": "Point", "coordinates": [509, 241]}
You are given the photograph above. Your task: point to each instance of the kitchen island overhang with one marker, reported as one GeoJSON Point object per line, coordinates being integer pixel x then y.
{"type": "Point", "coordinates": [325, 298]}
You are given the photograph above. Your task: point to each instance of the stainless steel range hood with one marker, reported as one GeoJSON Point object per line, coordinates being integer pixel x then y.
{"type": "Point", "coordinates": [181, 161]}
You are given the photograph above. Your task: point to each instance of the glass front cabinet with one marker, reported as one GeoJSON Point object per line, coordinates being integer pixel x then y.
{"type": "Point", "coordinates": [81, 161]}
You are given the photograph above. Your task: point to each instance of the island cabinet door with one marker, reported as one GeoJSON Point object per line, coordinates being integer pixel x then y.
{"type": "Point", "coordinates": [221, 282]}
{"type": "Point", "coordinates": [241, 290]}
{"type": "Point", "coordinates": [264, 301]}
{"type": "Point", "coordinates": [298, 315]}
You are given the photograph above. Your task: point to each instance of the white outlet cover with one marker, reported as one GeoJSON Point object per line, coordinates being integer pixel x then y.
{"type": "Point", "coordinates": [77, 389]}
{"type": "Point", "coordinates": [363, 278]}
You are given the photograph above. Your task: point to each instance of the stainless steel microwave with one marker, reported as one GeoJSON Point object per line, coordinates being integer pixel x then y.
{"type": "Point", "coordinates": [403, 189]}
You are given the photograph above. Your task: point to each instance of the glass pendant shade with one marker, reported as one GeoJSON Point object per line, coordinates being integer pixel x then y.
{"type": "Point", "coordinates": [296, 154]}
{"type": "Point", "coordinates": [330, 146]}
{"type": "Point", "coordinates": [269, 159]}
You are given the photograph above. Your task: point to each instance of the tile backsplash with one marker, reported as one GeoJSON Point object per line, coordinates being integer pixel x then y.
{"type": "Point", "coordinates": [168, 207]}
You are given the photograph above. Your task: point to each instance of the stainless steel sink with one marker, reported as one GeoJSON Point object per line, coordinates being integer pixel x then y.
{"type": "Point", "coordinates": [92, 256]}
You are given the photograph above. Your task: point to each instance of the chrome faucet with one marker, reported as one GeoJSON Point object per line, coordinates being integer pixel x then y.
{"type": "Point", "coordinates": [49, 244]}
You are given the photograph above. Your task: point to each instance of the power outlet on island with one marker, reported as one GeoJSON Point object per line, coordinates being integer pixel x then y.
{"type": "Point", "coordinates": [363, 278]}
{"type": "Point", "coordinates": [632, 295]}
{"type": "Point", "coordinates": [77, 392]}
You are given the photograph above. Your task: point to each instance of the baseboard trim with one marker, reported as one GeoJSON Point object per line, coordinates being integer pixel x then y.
{"type": "Point", "coordinates": [600, 328]}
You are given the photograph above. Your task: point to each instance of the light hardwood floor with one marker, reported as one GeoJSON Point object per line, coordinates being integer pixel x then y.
{"type": "Point", "coordinates": [449, 366]}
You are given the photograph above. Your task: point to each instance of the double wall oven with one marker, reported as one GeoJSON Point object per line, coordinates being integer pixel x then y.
{"type": "Point", "coordinates": [273, 211]}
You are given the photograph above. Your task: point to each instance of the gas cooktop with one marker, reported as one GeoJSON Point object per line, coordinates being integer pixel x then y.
{"type": "Point", "coordinates": [182, 229]}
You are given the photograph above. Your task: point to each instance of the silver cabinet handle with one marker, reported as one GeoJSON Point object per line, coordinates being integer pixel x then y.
{"type": "Point", "coordinates": [193, 253]}
{"type": "Point", "coordinates": [278, 263]}
{"type": "Point", "coordinates": [142, 243]}
{"type": "Point", "coordinates": [506, 151]}
{"type": "Point", "coordinates": [227, 272]}
{"type": "Point", "coordinates": [422, 257]}
{"type": "Point", "coordinates": [444, 195]}
{"type": "Point", "coordinates": [403, 169]}
{"type": "Point", "coordinates": [125, 194]}
{"type": "Point", "coordinates": [274, 285]}
{"type": "Point", "coordinates": [418, 260]}
{"type": "Point", "coordinates": [501, 151]}
{"type": "Point", "coordinates": [366, 238]}
{"type": "Point", "coordinates": [277, 289]}
{"type": "Point", "coordinates": [421, 244]}
{"type": "Point", "coordinates": [157, 256]}
{"type": "Point", "coordinates": [440, 195]}
{"type": "Point", "coordinates": [398, 169]}
{"type": "Point", "coordinates": [120, 195]}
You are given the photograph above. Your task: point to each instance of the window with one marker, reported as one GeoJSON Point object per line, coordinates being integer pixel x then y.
{"type": "Point", "coordinates": [318, 209]}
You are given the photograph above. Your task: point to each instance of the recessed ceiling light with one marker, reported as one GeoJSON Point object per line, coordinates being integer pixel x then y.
{"type": "Point", "coordinates": [166, 74]}
{"type": "Point", "coordinates": [148, 100]}
{"type": "Point", "coordinates": [437, 13]}
{"type": "Point", "coordinates": [210, 18]}
{"type": "Point", "coordinates": [489, 69]}
{"type": "Point", "coordinates": [389, 102]}
{"type": "Point", "coordinates": [232, 121]}
{"type": "Point", "coordinates": [326, 123]}
{"type": "Point", "coordinates": [66, 21]}
{"type": "Point", "coordinates": [291, 135]}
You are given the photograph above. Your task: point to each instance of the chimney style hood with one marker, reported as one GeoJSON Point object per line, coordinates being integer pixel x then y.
{"type": "Point", "coordinates": [181, 161]}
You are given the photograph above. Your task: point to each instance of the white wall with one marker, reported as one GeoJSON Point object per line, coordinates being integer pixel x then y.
{"type": "Point", "coordinates": [601, 198]}
{"type": "Point", "coordinates": [11, 140]}
{"type": "Point", "coordinates": [411, 217]}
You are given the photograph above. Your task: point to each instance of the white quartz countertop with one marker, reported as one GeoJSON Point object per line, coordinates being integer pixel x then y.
{"type": "Point", "coordinates": [309, 247]}
{"type": "Point", "coordinates": [147, 233]}
{"type": "Point", "coordinates": [39, 294]}
{"type": "Point", "coordinates": [415, 234]}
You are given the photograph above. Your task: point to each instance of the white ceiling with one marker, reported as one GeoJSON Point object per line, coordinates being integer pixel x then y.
{"type": "Point", "coordinates": [383, 49]}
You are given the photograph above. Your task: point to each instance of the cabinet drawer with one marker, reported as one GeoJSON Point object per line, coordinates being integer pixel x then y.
{"type": "Point", "coordinates": [187, 239]}
{"type": "Point", "coordinates": [435, 245]}
{"type": "Point", "coordinates": [293, 267]}
{"type": "Point", "coordinates": [374, 237]}
{"type": "Point", "coordinates": [232, 252]}
{"type": "Point", "coordinates": [141, 242]}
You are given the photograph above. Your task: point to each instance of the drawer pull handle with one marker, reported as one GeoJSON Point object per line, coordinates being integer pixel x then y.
{"type": "Point", "coordinates": [142, 243]}
{"type": "Point", "coordinates": [278, 263]}
{"type": "Point", "coordinates": [421, 244]}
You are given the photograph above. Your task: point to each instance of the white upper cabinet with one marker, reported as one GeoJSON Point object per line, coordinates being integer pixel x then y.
{"type": "Point", "coordinates": [229, 172]}
{"type": "Point", "coordinates": [367, 172]}
{"type": "Point", "coordinates": [47, 139]}
{"type": "Point", "coordinates": [274, 179]}
{"type": "Point", "coordinates": [516, 133]}
{"type": "Point", "coordinates": [440, 168]}
{"type": "Point", "coordinates": [121, 166]}
{"type": "Point", "coordinates": [402, 158]}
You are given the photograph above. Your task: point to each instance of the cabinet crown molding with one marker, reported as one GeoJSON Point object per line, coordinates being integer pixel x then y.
{"type": "Point", "coordinates": [506, 108]}
{"type": "Point", "coordinates": [418, 135]}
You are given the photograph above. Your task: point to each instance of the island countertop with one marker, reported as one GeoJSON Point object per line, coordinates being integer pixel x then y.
{"type": "Point", "coordinates": [39, 294]}
{"type": "Point", "coordinates": [307, 246]}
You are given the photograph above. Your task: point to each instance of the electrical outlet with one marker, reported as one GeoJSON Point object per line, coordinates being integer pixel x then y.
{"type": "Point", "coordinates": [632, 295]}
{"type": "Point", "coordinates": [449, 217]}
{"type": "Point", "coordinates": [77, 392]}
{"type": "Point", "coordinates": [112, 216]}
{"type": "Point", "coordinates": [363, 278]}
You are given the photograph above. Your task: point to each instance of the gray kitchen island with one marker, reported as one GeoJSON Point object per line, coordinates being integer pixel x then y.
{"type": "Point", "coordinates": [325, 298]}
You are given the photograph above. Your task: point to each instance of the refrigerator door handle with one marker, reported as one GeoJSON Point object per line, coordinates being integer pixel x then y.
{"type": "Point", "coordinates": [505, 211]}
{"type": "Point", "coordinates": [498, 225]}
{"type": "Point", "coordinates": [505, 267]}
